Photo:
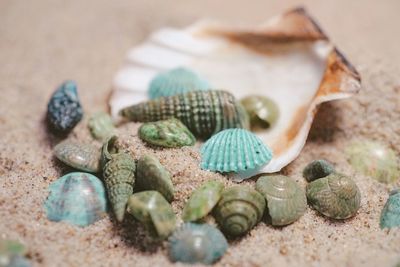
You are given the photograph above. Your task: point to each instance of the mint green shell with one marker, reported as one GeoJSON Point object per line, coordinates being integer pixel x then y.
{"type": "Point", "coordinates": [101, 126]}
{"type": "Point", "coordinates": [390, 216]}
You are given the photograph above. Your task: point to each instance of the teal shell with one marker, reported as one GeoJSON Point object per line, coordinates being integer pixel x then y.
{"type": "Point", "coordinates": [78, 198]}
{"type": "Point", "coordinates": [176, 81]}
{"type": "Point", "coordinates": [390, 216]}
{"type": "Point", "coordinates": [197, 243]}
{"type": "Point", "coordinates": [234, 150]}
{"type": "Point", "coordinates": [317, 169]}
{"type": "Point", "coordinates": [101, 126]}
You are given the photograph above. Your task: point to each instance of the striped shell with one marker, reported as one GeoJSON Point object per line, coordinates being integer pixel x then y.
{"type": "Point", "coordinates": [101, 126]}
{"type": "Point", "coordinates": [196, 243]}
{"type": "Point", "coordinates": [390, 216]}
{"type": "Point", "coordinates": [239, 210]}
{"type": "Point", "coordinates": [119, 176]}
{"type": "Point", "coordinates": [317, 169]}
{"type": "Point", "coordinates": [336, 196]}
{"type": "Point", "coordinates": [263, 112]}
{"type": "Point", "coordinates": [203, 112]}
{"type": "Point", "coordinates": [286, 200]}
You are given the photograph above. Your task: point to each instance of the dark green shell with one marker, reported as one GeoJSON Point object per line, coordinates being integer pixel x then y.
{"type": "Point", "coordinates": [317, 169]}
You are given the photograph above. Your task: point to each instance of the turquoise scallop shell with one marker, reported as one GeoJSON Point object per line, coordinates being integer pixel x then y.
{"type": "Point", "coordinates": [176, 81]}
{"type": "Point", "coordinates": [77, 198]}
{"type": "Point", "coordinates": [234, 150]}
{"type": "Point", "coordinates": [390, 216]}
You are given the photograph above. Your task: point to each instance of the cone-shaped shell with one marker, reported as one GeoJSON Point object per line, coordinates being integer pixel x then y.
{"type": "Point", "coordinates": [234, 150]}
{"type": "Point", "coordinates": [336, 196]}
{"type": "Point", "coordinates": [203, 112]}
{"type": "Point", "coordinates": [101, 126]}
{"type": "Point", "coordinates": [239, 210]}
{"type": "Point", "coordinates": [390, 216]}
{"type": "Point", "coordinates": [196, 243]}
{"type": "Point", "coordinates": [286, 200]}
{"type": "Point", "coordinates": [317, 169]}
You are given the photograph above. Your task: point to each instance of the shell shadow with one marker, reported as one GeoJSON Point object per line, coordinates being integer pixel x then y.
{"type": "Point", "coordinates": [51, 137]}
{"type": "Point", "coordinates": [326, 123]}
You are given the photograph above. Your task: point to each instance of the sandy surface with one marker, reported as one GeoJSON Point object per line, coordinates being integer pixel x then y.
{"type": "Point", "coordinates": [43, 43]}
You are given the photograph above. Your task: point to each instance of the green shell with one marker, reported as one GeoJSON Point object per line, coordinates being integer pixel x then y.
{"type": "Point", "coordinates": [12, 254]}
{"type": "Point", "coordinates": [317, 169]}
{"type": "Point", "coordinates": [286, 200]}
{"type": "Point", "coordinates": [390, 216]}
{"type": "Point", "coordinates": [154, 211]}
{"type": "Point", "coordinates": [151, 175]}
{"type": "Point", "coordinates": [203, 112]}
{"type": "Point", "coordinates": [336, 196]}
{"type": "Point", "coordinates": [374, 160]}
{"type": "Point", "coordinates": [239, 210]}
{"type": "Point", "coordinates": [202, 201]}
{"type": "Point", "coordinates": [85, 157]}
{"type": "Point", "coordinates": [263, 112]}
{"type": "Point", "coordinates": [119, 176]}
{"type": "Point", "coordinates": [166, 133]}
{"type": "Point", "coordinates": [101, 126]}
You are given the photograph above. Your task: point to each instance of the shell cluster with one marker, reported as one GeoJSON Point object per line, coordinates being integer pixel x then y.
{"type": "Point", "coordinates": [263, 112]}
{"type": "Point", "coordinates": [317, 169]}
{"type": "Point", "coordinates": [390, 216]}
{"type": "Point", "coordinates": [101, 126]}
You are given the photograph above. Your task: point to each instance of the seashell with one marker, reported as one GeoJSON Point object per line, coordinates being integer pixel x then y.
{"type": "Point", "coordinates": [78, 198]}
{"type": "Point", "coordinates": [101, 126]}
{"type": "Point", "coordinates": [286, 200]}
{"type": "Point", "coordinates": [64, 110]}
{"type": "Point", "coordinates": [263, 112]}
{"type": "Point", "coordinates": [336, 196]}
{"type": "Point", "coordinates": [119, 176]}
{"type": "Point", "coordinates": [234, 150]}
{"type": "Point", "coordinates": [12, 254]}
{"type": "Point", "coordinates": [166, 133]}
{"type": "Point", "coordinates": [317, 169]}
{"type": "Point", "coordinates": [154, 211]}
{"type": "Point", "coordinates": [239, 209]}
{"type": "Point", "coordinates": [151, 175]}
{"type": "Point", "coordinates": [196, 243]}
{"type": "Point", "coordinates": [375, 160]}
{"type": "Point", "coordinates": [390, 216]}
{"type": "Point", "coordinates": [176, 81]}
{"type": "Point", "coordinates": [288, 59]}
{"type": "Point", "coordinates": [85, 157]}
{"type": "Point", "coordinates": [202, 201]}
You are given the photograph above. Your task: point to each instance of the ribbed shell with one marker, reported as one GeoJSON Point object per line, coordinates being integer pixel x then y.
{"type": "Point", "coordinates": [239, 210]}
{"type": "Point", "coordinates": [197, 243]}
{"type": "Point", "coordinates": [317, 169]}
{"type": "Point", "coordinates": [390, 216]}
{"type": "Point", "coordinates": [335, 196]}
{"type": "Point", "coordinates": [101, 126]}
{"type": "Point", "coordinates": [203, 112]}
{"type": "Point", "coordinates": [286, 200]}
{"type": "Point", "coordinates": [234, 150]}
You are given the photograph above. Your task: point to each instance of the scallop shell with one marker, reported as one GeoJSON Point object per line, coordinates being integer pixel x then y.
{"type": "Point", "coordinates": [390, 216]}
{"type": "Point", "coordinates": [286, 200]}
{"type": "Point", "coordinates": [317, 169]}
{"type": "Point", "coordinates": [197, 243]}
{"type": "Point", "coordinates": [336, 196]}
{"type": "Point", "coordinates": [101, 126]}
{"type": "Point", "coordinates": [263, 111]}
{"type": "Point", "coordinates": [287, 59]}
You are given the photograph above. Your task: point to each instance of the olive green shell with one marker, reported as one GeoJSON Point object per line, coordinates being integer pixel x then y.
{"type": "Point", "coordinates": [151, 175]}
{"type": "Point", "coordinates": [239, 210]}
{"type": "Point", "coordinates": [286, 200]}
{"type": "Point", "coordinates": [154, 211]}
{"type": "Point", "coordinates": [202, 201]}
{"type": "Point", "coordinates": [203, 112]}
{"type": "Point", "coordinates": [336, 196]}
{"type": "Point", "coordinates": [119, 176]}
{"type": "Point", "coordinates": [101, 126]}
{"type": "Point", "coordinates": [263, 112]}
{"type": "Point", "coordinates": [317, 169]}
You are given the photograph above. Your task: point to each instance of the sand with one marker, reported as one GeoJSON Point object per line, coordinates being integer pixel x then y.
{"type": "Point", "coordinates": [43, 43]}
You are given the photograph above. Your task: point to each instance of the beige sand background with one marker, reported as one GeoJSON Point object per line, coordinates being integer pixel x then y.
{"type": "Point", "coordinates": [43, 43]}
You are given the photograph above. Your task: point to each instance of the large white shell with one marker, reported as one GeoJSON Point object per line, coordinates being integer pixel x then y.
{"type": "Point", "coordinates": [288, 59]}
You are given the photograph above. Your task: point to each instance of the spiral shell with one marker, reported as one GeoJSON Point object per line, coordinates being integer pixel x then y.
{"type": "Point", "coordinates": [119, 176]}
{"type": "Point", "coordinates": [263, 112]}
{"type": "Point", "coordinates": [101, 126]}
{"type": "Point", "coordinates": [239, 210]}
{"type": "Point", "coordinates": [336, 196]}
{"type": "Point", "coordinates": [317, 169]}
{"type": "Point", "coordinates": [390, 216]}
{"type": "Point", "coordinates": [197, 243]}
{"type": "Point", "coordinates": [286, 200]}
{"type": "Point", "coordinates": [203, 112]}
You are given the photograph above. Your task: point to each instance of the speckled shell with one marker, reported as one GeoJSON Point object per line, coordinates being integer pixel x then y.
{"type": "Point", "coordinates": [336, 196]}
{"type": "Point", "coordinates": [166, 133]}
{"type": "Point", "coordinates": [154, 211]}
{"type": "Point", "coordinates": [202, 201]}
{"type": "Point", "coordinates": [317, 169]}
{"type": "Point", "coordinates": [78, 198]}
{"type": "Point", "coordinates": [151, 175]}
{"type": "Point", "coordinates": [390, 216]}
{"type": "Point", "coordinates": [101, 126]}
{"type": "Point", "coordinates": [176, 81]}
{"type": "Point", "coordinates": [119, 176]}
{"type": "Point", "coordinates": [64, 110]}
{"type": "Point", "coordinates": [85, 157]}
{"type": "Point", "coordinates": [263, 112]}
{"type": "Point", "coordinates": [234, 150]}
{"type": "Point", "coordinates": [239, 209]}
{"type": "Point", "coordinates": [286, 200]}
{"type": "Point", "coordinates": [203, 112]}
{"type": "Point", "coordinates": [197, 243]}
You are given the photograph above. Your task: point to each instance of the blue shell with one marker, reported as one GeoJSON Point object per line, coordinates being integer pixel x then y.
{"type": "Point", "coordinates": [78, 198]}
{"type": "Point", "coordinates": [64, 110]}
{"type": "Point", "coordinates": [197, 243]}
{"type": "Point", "coordinates": [390, 216]}
{"type": "Point", "coordinates": [176, 81]}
